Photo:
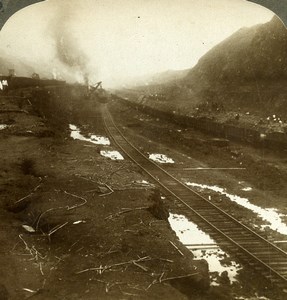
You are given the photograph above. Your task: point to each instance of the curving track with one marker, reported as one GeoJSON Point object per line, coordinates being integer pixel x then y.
{"type": "Point", "coordinates": [246, 244]}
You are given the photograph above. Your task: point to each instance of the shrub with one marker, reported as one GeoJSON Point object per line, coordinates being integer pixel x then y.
{"type": "Point", "coordinates": [28, 166]}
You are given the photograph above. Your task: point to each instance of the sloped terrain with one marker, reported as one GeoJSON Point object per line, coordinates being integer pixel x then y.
{"type": "Point", "coordinates": [247, 73]}
{"type": "Point", "coordinates": [65, 209]}
{"type": "Point", "coordinates": [243, 80]}
{"type": "Point", "coordinates": [250, 54]}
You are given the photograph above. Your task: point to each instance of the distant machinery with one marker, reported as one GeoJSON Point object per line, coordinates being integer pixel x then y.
{"type": "Point", "coordinates": [35, 76]}
{"type": "Point", "coordinates": [12, 73]}
{"type": "Point", "coordinates": [96, 92]}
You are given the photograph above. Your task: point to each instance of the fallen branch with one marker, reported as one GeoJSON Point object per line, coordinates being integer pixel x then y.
{"type": "Point", "coordinates": [199, 168]}
{"type": "Point", "coordinates": [101, 269]}
{"type": "Point", "coordinates": [130, 188]}
{"type": "Point", "coordinates": [91, 146]}
{"type": "Point", "coordinates": [56, 228]}
{"type": "Point", "coordinates": [73, 245]}
{"type": "Point", "coordinates": [41, 215]}
{"type": "Point", "coordinates": [161, 276]}
{"type": "Point", "coordinates": [161, 279]}
{"type": "Point", "coordinates": [140, 266]}
{"type": "Point", "coordinates": [41, 268]}
{"type": "Point", "coordinates": [126, 210]}
{"type": "Point", "coordinates": [34, 253]}
{"type": "Point", "coordinates": [176, 248]}
{"type": "Point", "coordinates": [179, 277]}
{"type": "Point", "coordinates": [77, 205]}
{"type": "Point", "coordinates": [61, 207]}
{"type": "Point", "coordinates": [106, 194]}
{"type": "Point", "coordinates": [34, 190]}
{"type": "Point", "coordinates": [88, 179]}
{"type": "Point", "coordinates": [93, 190]}
{"type": "Point", "coordinates": [110, 251]}
{"type": "Point", "coordinates": [130, 294]}
{"type": "Point", "coordinates": [3, 111]}
{"type": "Point", "coordinates": [165, 259]}
{"type": "Point", "coordinates": [110, 285]}
{"type": "Point", "coordinates": [117, 170]}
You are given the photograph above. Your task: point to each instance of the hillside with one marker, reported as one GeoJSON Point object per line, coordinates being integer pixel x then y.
{"type": "Point", "coordinates": [245, 76]}
{"type": "Point", "coordinates": [169, 76]}
{"type": "Point", "coordinates": [255, 53]}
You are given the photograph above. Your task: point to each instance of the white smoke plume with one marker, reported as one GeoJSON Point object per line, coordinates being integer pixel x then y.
{"type": "Point", "coordinates": [67, 49]}
{"type": "Point", "coordinates": [119, 41]}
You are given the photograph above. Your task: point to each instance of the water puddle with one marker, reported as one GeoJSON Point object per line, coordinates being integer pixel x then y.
{"type": "Point", "coordinates": [3, 126]}
{"type": "Point", "coordinates": [247, 189]}
{"type": "Point", "coordinates": [142, 182]}
{"type": "Point", "coordinates": [204, 247]}
{"type": "Point", "coordinates": [113, 155]}
{"type": "Point", "coordinates": [95, 139]}
{"type": "Point", "coordinates": [161, 158]}
{"type": "Point", "coordinates": [256, 297]}
{"type": "Point", "coordinates": [271, 215]}
{"type": "Point", "coordinates": [100, 140]}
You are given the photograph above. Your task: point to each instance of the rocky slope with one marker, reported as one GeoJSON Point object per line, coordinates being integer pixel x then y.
{"type": "Point", "coordinates": [244, 76]}
{"type": "Point", "coordinates": [255, 53]}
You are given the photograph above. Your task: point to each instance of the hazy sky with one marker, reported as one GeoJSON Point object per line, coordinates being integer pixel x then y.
{"type": "Point", "coordinates": [125, 38]}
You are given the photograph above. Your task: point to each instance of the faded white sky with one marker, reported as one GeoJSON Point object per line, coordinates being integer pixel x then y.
{"type": "Point", "coordinates": [128, 38]}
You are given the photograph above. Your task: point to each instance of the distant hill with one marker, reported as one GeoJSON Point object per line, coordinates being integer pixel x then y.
{"type": "Point", "coordinates": [255, 53]}
{"type": "Point", "coordinates": [245, 73]}
{"type": "Point", "coordinates": [169, 76]}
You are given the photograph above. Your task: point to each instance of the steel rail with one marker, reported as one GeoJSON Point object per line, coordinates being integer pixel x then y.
{"type": "Point", "coordinates": [240, 225]}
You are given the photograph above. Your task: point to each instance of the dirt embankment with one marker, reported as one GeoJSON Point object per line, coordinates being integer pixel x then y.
{"type": "Point", "coordinates": [232, 167]}
{"type": "Point", "coordinates": [238, 84]}
{"type": "Point", "coordinates": [74, 224]}
{"type": "Point", "coordinates": [262, 169]}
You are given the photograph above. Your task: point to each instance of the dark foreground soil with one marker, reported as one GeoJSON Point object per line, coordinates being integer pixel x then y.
{"type": "Point", "coordinates": [262, 170]}
{"type": "Point", "coordinates": [76, 225]}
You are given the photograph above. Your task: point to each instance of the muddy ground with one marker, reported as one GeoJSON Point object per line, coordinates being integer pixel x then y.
{"type": "Point", "coordinates": [256, 174]}
{"type": "Point", "coordinates": [77, 225]}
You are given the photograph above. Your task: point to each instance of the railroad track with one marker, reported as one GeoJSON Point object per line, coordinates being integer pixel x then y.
{"type": "Point", "coordinates": [251, 248]}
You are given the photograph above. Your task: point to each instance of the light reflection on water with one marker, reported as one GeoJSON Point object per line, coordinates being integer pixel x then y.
{"type": "Point", "coordinates": [113, 155]}
{"type": "Point", "coordinates": [95, 139]}
{"type": "Point", "coordinates": [271, 215]}
{"type": "Point", "coordinates": [161, 158]}
{"type": "Point", "coordinates": [98, 140]}
{"type": "Point", "coordinates": [189, 234]}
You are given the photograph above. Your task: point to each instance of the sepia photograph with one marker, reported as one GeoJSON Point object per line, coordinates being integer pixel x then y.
{"type": "Point", "coordinates": [143, 148]}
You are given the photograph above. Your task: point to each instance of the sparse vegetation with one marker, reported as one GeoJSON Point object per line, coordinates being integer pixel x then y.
{"type": "Point", "coordinates": [158, 208]}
